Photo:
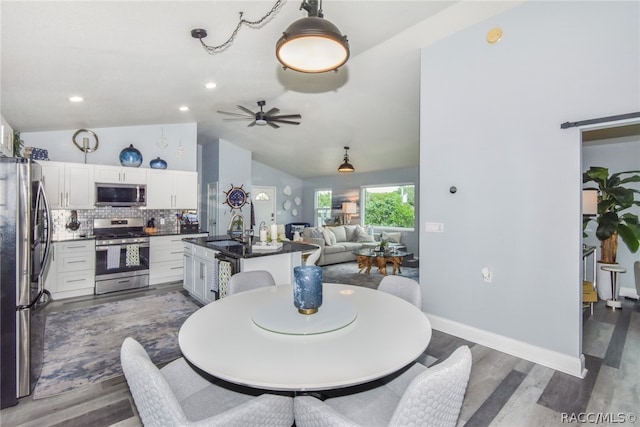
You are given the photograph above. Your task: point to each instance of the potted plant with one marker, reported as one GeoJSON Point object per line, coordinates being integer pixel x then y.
{"type": "Point", "coordinates": [613, 218]}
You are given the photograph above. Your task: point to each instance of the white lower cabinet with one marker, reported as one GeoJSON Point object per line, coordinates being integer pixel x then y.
{"type": "Point", "coordinates": [199, 272]}
{"type": "Point", "coordinates": [165, 258]}
{"type": "Point", "coordinates": [72, 269]}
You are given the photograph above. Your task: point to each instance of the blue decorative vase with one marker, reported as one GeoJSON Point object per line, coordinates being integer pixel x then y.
{"type": "Point", "coordinates": [307, 288]}
{"type": "Point", "coordinates": [131, 157]}
{"type": "Point", "coordinates": [158, 163]}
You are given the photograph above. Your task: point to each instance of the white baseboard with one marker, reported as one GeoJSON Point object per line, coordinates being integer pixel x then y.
{"type": "Point", "coordinates": [552, 359]}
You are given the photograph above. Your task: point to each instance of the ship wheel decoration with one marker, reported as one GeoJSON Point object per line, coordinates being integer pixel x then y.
{"type": "Point", "coordinates": [236, 197]}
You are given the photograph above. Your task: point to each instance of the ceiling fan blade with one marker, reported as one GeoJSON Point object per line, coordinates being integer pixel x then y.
{"type": "Point", "coordinates": [274, 110]}
{"type": "Point", "coordinates": [287, 116]}
{"type": "Point", "coordinates": [273, 125]}
{"type": "Point", "coordinates": [289, 122]}
{"type": "Point", "coordinates": [253, 123]}
{"type": "Point", "coordinates": [234, 114]}
{"type": "Point", "coordinates": [246, 110]}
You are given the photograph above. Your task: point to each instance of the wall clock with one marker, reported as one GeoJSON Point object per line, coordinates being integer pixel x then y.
{"type": "Point", "coordinates": [236, 197]}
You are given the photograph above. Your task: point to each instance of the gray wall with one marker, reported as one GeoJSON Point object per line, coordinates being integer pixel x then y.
{"type": "Point", "coordinates": [618, 157]}
{"type": "Point", "coordinates": [350, 183]}
{"type": "Point", "coordinates": [266, 176]}
{"type": "Point", "coordinates": [490, 125]}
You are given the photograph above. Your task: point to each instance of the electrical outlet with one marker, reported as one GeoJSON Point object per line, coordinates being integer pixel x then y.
{"type": "Point", "coordinates": [161, 221]}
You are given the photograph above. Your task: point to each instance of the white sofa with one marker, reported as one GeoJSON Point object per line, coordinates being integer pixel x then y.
{"type": "Point", "coordinates": [348, 238]}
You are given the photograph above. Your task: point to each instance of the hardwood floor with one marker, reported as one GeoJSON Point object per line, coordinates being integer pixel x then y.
{"type": "Point", "coordinates": [503, 390]}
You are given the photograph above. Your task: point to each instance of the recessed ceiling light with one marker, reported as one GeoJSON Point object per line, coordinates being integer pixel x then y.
{"type": "Point", "coordinates": [184, 108]}
{"type": "Point", "coordinates": [210, 85]}
{"type": "Point", "coordinates": [76, 99]}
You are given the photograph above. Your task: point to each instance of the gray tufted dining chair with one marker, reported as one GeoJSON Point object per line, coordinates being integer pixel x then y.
{"type": "Point", "coordinates": [177, 395]}
{"type": "Point", "coordinates": [247, 280]}
{"type": "Point", "coordinates": [403, 287]}
{"type": "Point", "coordinates": [420, 396]}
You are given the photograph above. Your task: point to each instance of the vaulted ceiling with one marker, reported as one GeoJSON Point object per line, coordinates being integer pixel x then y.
{"type": "Point", "coordinates": [135, 63]}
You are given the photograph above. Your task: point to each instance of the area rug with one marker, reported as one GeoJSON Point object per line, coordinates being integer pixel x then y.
{"type": "Point", "coordinates": [347, 273]}
{"type": "Point", "coordinates": [82, 346]}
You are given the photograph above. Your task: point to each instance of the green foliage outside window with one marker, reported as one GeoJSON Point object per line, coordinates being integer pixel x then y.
{"type": "Point", "coordinates": [390, 206]}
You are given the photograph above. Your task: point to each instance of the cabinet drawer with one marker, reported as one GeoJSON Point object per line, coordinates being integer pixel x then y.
{"type": "Point", "coordinates": [204, 253]}
{"type": "Point", "coordinates": [74, 281]}
{"type": "Point", "coordinates": [163, 272]}
{"type": "Point", "coordinates": [75, 246]}
{"type": "Point", "coordinates": [75, 262]}
{"type": "Point", "coordinates": [166, 254]}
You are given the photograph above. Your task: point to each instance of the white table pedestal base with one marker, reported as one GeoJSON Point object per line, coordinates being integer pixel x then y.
{"type": "Point", "coordinates": [614, 303]}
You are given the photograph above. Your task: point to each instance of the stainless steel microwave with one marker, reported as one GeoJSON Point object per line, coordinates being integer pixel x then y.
{"type": "Point", "coordinates": [121, 194]}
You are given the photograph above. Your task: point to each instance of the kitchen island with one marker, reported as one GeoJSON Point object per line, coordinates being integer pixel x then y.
{"type": "Point", "coordinates": [209, 261]}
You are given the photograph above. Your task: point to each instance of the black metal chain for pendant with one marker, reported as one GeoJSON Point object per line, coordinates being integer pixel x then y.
{"type": "Point", "coordinates": [255, 24]}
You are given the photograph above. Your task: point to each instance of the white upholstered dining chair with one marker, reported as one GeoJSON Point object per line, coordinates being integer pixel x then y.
{"type": "Point", "coordinates": [313, 256]}
{"type": "Point", "coordinates": [247, 280]}
{"type": "Point", "coordinates": [177, 395]}
{"type": "Point", "coordinates": [403, 287]}
{"type": "Point", "coordinates": [418, 397]}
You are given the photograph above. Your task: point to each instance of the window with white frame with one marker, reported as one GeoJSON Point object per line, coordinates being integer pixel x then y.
{"type": "Point", "coordinates": [322, 205]}
{"type": "Point", "coordinates": [388, 206]}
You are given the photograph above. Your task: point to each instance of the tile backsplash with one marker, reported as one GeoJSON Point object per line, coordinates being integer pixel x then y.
{"type": "Point", "coordinates": [61, 217]}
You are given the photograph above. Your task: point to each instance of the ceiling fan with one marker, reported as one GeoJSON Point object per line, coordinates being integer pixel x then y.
{"type": "Point", "coordinates": [261, 118]}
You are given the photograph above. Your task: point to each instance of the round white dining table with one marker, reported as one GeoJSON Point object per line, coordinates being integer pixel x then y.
{"type": "Point", "coordinates": [257, 338]}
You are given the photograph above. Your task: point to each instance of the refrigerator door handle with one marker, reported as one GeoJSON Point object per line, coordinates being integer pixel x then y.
{"type": "Point", "coordinates": [47, 249]}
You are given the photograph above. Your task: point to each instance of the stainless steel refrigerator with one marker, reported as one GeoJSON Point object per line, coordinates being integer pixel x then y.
{"type": "Point", "coordinates": [25, 241]}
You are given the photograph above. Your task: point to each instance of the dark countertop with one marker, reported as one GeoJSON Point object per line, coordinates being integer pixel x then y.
{"type": "Point", "coordinates": [173, 233]}
{"type": "Point", "coordinates": [245, 251]}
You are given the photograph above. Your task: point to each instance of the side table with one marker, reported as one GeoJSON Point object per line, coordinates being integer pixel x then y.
{"type": "Point", "coordinates": [613, 271]}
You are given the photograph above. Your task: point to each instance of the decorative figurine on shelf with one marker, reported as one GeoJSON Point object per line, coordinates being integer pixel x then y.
{"type": "Point", "coordinates": [131, 157]}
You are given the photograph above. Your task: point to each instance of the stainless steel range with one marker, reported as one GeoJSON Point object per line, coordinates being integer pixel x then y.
{"type": "Point", "coordinates": [122, 254]}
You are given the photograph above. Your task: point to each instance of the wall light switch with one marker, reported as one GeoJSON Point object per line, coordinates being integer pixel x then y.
{"type": "Point", "coordinates": [434, 227]}
{"type": "Point", "coordinates": [161, 221]}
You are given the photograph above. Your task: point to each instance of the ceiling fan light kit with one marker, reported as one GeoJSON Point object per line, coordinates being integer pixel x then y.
{"type": "Point", "coordinates": [346, 167]}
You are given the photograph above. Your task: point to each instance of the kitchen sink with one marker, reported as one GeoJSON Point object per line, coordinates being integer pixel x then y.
{"type": "Point", "coordinates": [224, 243]}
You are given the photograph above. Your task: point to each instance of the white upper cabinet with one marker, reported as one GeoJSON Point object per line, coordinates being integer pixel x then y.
{"type": "Point", "coordinates": [118, 174]}
{"type": "Point", "coordinates": [172, 189]}
{"type": "Point", "coordinates": [68, 185]}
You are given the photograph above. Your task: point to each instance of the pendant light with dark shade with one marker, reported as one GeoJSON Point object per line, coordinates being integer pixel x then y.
{"type": "Point", "coordinates": [346, 166]}
{"type": "Point", "coordinates": [312, 44]}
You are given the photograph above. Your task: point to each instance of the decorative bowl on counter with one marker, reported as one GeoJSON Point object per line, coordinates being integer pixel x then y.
{"type": "Point", "coordinates": [131, 157]}
{"type": "Point", "coordinates": [158, 163]}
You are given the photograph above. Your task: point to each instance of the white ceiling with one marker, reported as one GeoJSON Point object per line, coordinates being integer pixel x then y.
{"type": "Point", "coordinates": [135, 63]}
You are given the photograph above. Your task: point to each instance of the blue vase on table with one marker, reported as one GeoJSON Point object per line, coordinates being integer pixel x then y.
{"type": "Point", "coordinates": [307, 288]}
{"type": "Point", "coordinates": [130, 157]}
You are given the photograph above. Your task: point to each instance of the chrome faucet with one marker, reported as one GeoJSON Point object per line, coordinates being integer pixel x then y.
{"type": "Point", "coordinates": [237, 227]}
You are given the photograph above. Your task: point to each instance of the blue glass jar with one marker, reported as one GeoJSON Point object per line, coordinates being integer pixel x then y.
{"type": "Point", "coordinates": [158, 163]}
{"type": "Point", "coordinates": [131, 157]}
{"type": "Point", "coordinates": [307, 288]}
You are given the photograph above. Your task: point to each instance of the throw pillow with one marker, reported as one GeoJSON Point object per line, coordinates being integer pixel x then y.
{"type": "Point", "coordinates": [316, 233]}
{"type": "Point", "coordinates": [329, 237]}
{"type": "Point", "coordinates": [350, 230]}
{"type": "Point", "coordinates": [340, 233]}
{"type": "Point", "coordinates": [392, 237]}
{"type": "Point", "coordinates": [362, 235]}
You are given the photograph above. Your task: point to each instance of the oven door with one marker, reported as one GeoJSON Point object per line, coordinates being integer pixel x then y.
{"type": "Point", "coordinates": [122, 260]}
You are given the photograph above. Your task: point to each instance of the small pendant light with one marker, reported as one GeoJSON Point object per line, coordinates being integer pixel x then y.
{"type": "Point", "coordinates": [346, 166]}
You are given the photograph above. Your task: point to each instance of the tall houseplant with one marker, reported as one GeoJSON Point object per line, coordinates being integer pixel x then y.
{"type": "Point", "coordinates": [613, 218]}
